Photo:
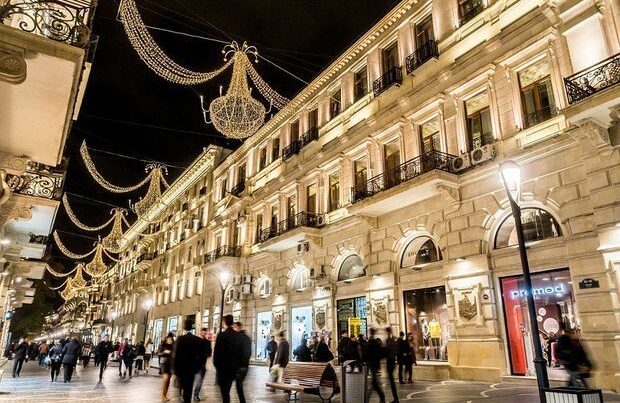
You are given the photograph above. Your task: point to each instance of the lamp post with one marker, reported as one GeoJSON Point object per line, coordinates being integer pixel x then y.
{"type": "Point", "coordinates": [146, 305]}
{"type": "Point", "coordinates": [223, 277]}
{"type": "Point", "coordinates": [510, 173]}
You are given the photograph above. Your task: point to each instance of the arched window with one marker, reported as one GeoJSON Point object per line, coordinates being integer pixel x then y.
{"type": "Point", "coordinates": [264, 288]}
{"type": "Point", "coordinates": [419, 251]}
{"type": "Point", "coordinates": [538, 224]}
{"type": "Point", "coordinates": [301, 280]}
{"type": "Point", "coordinates": [352, 267]}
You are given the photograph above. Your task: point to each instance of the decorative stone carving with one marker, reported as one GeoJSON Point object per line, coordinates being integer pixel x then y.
{"type": "Point", "coordinates": [468, 305]}
{"type": "Point", "coordinates": [596, 134]}
{"type": "Point", "coordinates": [450, 194]}
{"type": "Point", "coordinates": [277, 320]}
{"type": "Point", "coordinates": [12, 68]}
{"type": "Point", "coordinates": [14, 211]}
{"type": "Point", "coordinates": [467, 310]}
{"type": "Point", "coordinates": [380, 310]}
{"type": "Point", "coordinates": [12, 164]}
{"type": "Point", "coordinates": [320, 316]}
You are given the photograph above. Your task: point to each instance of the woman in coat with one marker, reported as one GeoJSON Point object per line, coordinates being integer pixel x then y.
{"type": "Point", "coordinates": [70, 355]}
{"type": "Point", "coordinates": [165, 362]}
{"type": "Point", "coordinates": [55, 354]}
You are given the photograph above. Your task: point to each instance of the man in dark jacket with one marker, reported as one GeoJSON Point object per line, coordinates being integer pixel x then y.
{"type": "Point", "coordinates": [103, 350]}
{"type": "Point", "coordinates": [20, 350]}
{"type": "Point", "coordinates": [226, 357]}
{"type": "Point", "coordinates": [374, 354]}
{"type": "Point", "coordinates": [70, 355]}
{"type": "Point", "coordinates": [404, 355]}
{"type": "Point", "coordinates": [347, 349]}
{"type": "Point", "coordinates": [187, 358]}
{"type": "Point", "coordinates": [283, 352]}
{"type": "Point", "coordinates": [323, 353]}
{"type": "Point", "coordinates": [302, 352]}
{"type": "Point", "coordinates": [244, 360]}
{"type": "Point", "coordinates": [206, 353]}
{"type": "Point", "coordinates": [271, 349]}
{"type": "Point", "coordinates": [391, 352]}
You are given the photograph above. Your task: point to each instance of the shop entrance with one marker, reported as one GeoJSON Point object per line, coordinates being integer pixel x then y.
{"type": "Point", "coordinates": [351, 308]}
{"type": "Point", "coordinates": [263, 334]}
{"type": "Point", "coordinates": [556, 314]}
{"type": "Point", "coordinates": [301, 325]}
{"type": "Point", "coordinates": [426, 314]}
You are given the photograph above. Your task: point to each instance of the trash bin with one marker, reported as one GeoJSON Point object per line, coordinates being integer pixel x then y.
{"type": "Point", "coordinates": [353, 386]}
{"type": "Point", "coordinates": [573, 395]}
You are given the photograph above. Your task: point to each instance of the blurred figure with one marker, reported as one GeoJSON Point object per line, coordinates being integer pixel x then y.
{"type": "Point", "coordinates": [571, 354]}
{"type": "Point", "coordinates": [186, 360]}
{"type": "Point", "coordinates": [55, 354]}
{"type": "Point", "coordinates": [43, 350]}
{"type": "Point", "coordinates": [244, 360]}
{"type": "Point", "coordinates": [86, 348]}
{"type": "Point", "coordinates": [312, 346]}
{"type": "Point", "coordinates": [226, 357]}
{"type": "Point", "coordinates": [374, 355]}
{"type": "Point", "coordinates": [282, 354]}
{"type": "Point", "coordinates": [148, 347]}
{"type": "Point", "coordinates": [206, 353]}
{"type": "Point", "coordinates": [302, 353]}
{"type": "Point", "coordinates": [323, 353]}
{"type": "Point", "coordinates": [403, 347]}
{"type": "Point", "coordinates": [391, 352]}
{"type": "Point", "coordinates": [362, 345]}
{"type": "Point", "coordinates": [347, 348]}
{"type": "Point", "coordinates": [102, 352]}
{"type": "Point", "coordinates": [165, 364]}
{"type": "Point", "coordinates": [140, 352]}
{"type": "Point", "coordinates": [21, 352]}
{"type": "Point", "coordinates": [410, 359]}
{"type": "Point", "coordinates": [271, 349]}
{"type": "Point", "coordinates": [70, 355]}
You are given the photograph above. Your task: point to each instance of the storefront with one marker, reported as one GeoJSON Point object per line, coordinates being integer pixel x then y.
{"type": "Point", "coordinates": [556, 313]}
{"type": "Point", "coordinates": [173, 325]}
{"type": "Point", "coordinates": [301, 324]}
{"type": "Point", "coordinates": [263, 333]}
{"type": "Point", "coordinates": [426, 316]}
{"type": "Point", "coordinates": [352, 316]}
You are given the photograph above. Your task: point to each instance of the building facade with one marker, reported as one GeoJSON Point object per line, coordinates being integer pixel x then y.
{"type": "Point", "coordinates": [374, 198]}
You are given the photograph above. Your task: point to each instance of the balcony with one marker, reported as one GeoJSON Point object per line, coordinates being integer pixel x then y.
{"type": "Point", "coordinates": [588, 82]}
{"type": "Point", "coordinates": [238, 189]}
{"type": "Point", "coordinates": [224, 250]}
{"type": "Point", "coordinates": [414, 168]}
{"type": "Point", "coordinates": [475, 8]}
{"type": "Point", "coordinates": [39, 180]}
{"type": "Point", "coordinates": [539, 116]}
{"type": "Point", "coordinates": [297, 145]}
{"type": "Point", "coordinates": [393, 76]}
{"type": "Point", "coordinates": [63, 21]}
{"type": "Point", "coordinates": [302, 219]}
{"type": "Point", "coordinates": [428, 51]}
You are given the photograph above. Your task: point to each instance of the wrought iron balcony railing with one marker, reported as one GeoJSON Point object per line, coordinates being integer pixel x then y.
{"type": "Point", "coordinates": [145, 256]}
{"type": "Point", "coordinates": [297, 145]}
{"type": "Point", "coordinates": [539, 116]}
{"type": "Point", "coordinates": [402, 173]}
{"type": "Point", "coordinates": [393, 76]}
{"type": "Point", "coordinates": [308, 137]}
{"type": "Point", "coordinates": [39, 181]}
{"type": "Point", "coordinates": [224, 250]}
{"type": "Point", "coordinates": [302, 219]}
{"type": "Point", "coordinates": [589, 81]}
{"type": "Point", "coordinates": [469, 15]}
{"type": "Point", "coordinates": [482, 140]}
{"type": "Point", "coordinates": [40, 239]}
{"type": "Point", "coordinates": [421, 55]}
{"type": "Point", "coordinates": [68, 21]}
{"type": "Point", "coordinates": [238, 189]}
{"type": "Point", "coordinates": [292, 149]}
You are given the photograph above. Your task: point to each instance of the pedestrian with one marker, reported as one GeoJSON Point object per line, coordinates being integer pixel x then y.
{"type": "Point", "coordinates": [43, 350]}
{"type": "Point", "coordinates": [148, 348]}
{"type": "Point", "coordinates": [362, 345]}
{"type": "Point", "coordinates": [206, 353]}
{"type": "Point", "coordinates": [391, 352]}
{"type": "Point", "coordinates": [403, 347]}
{"type": "Point", "coordinates": [282, 354]}
{"type": "Point", "coordinates": [323, 353]}
{"type": "Point", "coordinates": [103, 350]}
{"type": "Point", "coordinates": [140, 352]}
{"type": "Point", "coordinates": [21, 352]}
{"type": "Point", "coordinates": [374, 355]}
{"type": "Point", "coordinates": [226, 357]}
{"type": "Point", "coordinates": [347, 348]}
{"type": "Point", "coordinates": [86, 354]}
{"type": "Point", "coordinates": [70, 355]}
{"type": "Point", "coordinates": [165, 364]}
{"type": "Point", "coordinates": [119, 351]}
{"type": "Point", "coordinates": [126, 355]}
{"type": "Point", "coordinates": [271, 349]}
{"type": "Point", "coordinates": [302, 353]}
{"type": "Point", "coordinates": [187, 360]}
{"type": "Point", "coordinates": [55, 355]}
{"type": "Point", "coordinates": [314, 341]}
{"type": "Point", "coordinates": [244, 360]}
{"type": "Point", "coordinates": [411, 359]}
{"type": "Point", "coordinates": [573, 357]}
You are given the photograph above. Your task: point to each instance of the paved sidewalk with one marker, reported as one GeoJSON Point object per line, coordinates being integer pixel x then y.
{"type": "Point", "coordinates": [34, 386]}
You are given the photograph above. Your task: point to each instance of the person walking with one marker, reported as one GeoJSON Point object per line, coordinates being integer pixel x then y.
{"type": "Point", "coordinates": [70, 355]}
{"type": "Point", "coordinates": [403, 346]}
{"type": "Point", "coordinates": [206, 353]}
{"type": "Point", "coordinates": [86, 348]}
{"type": "Point", "coordinates": [244, 360]}
{"type": "Point", "coordinates": [43, 350]}
{"type": "Point", "coordinates": [282, 354]}
{"type": "Point", "coordinates": [302, 352]}
{"type": "Point", "coordinates": [140, 352]}
{"type": "Point", "coordinates": [120, 351]}
{"type": "Point", "coordinates": [347, 348]}
{"type": "Point", "coordinates": [391, 352]}
{"type": "Point", "coordinates": [129, 355]}
{"type": "Point", "coordinates": [21, 352]}
{"type": "Point", "coordinates": [226, 357]}
{"type": "Point", "coordinates": [102, 351]}
{"type": "Point", "coordinates": [573, 357]}
{"type": "Point", "coordinates": [55, 354]}
{"type": "Point", "coordinates": [374, 355]}
{"type": "Point", "coordinates": [410, 358]}
{"type": "Point", "coordinates": [271, 348]}
{"type": "Point", "coordinates": [323, 353]}
{"type": "Point", "coordinates": [187, 360]}
{"type": "Point", "coordinates": [148, 348]}
{"type": "Point", "coordinates": [165, 364]}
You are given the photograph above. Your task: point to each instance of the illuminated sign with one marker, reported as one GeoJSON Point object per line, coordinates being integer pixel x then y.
{"type": "Point", "coordinates": [558, 289]}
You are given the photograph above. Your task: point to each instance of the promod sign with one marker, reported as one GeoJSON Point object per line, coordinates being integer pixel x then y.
{"type": "Point", "coordinates": [558, 289]}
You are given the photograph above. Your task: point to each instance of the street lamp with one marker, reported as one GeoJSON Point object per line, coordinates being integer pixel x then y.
{"type": "Point", "coordinates": [223, 276]}
{"type": "Point", "coordinates": [146, 305]}
{"type": "Point", "coordinates": [511, 178]}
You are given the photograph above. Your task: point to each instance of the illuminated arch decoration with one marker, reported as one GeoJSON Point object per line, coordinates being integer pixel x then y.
{"type": "Point", "coordinates": [300, 279]}
{"type": "Point", "coordinates": [352, 267]}
{"type": "Point", "coordinates": [264, 286]}
{"type": "Point", "coordinates": [538, 224]}
{"type": "Point", "coordinates": [420, 251]}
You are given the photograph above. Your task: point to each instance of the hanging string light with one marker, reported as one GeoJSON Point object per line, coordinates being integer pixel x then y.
{"type": "Point", "coordinates": [57, 274]}
{"type": "Point", "coordinates": [77, 281]}
{"type": "Point", "coordinates": [96, 267]}
{"type": "Point", "coordinates": [153, 194]}
{"type": "Point", "coordinates": [112, 241]}
{"type": "Point", "coordinates": [67, 252]}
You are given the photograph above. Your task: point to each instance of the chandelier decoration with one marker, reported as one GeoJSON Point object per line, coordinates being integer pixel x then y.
{"type": "Point", "coordinates": [74, 284]}
{"type": "Point", "coordinates": [236, 114]}
{"type": "Point", "coordinates": [96, 267]}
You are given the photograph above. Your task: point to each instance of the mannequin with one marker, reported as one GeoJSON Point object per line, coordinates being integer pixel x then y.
{"type": "Point", "coordinates": [435, 333]}
{"type": "Point", "coordinates": [426, 337]}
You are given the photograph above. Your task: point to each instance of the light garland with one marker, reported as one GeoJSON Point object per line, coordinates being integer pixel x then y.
{"type": "Point", "coordinates": [58, 274]}
{"type": "Point", "coordinates": [59, 287]}
{"type": "Point", "coordinates": [112, 241]}
{"type": "Point", "coordinates": [79, 224]}
{"type": "Point", "coordinates": [96, 267]}
{"type": "Point", "coordinates": [277, 100]}
{"type": "Point", "coordinates": [153, 194]}
{"type": "Point", "coordinates": [77, 281]}
{"type": "Point", "coordinates": [67, 252]}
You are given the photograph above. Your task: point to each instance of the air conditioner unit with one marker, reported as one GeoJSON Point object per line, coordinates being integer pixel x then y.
{"type": "Point", "coordinates": [303, 247]}
{"type": "Point", "coordinates": [236, 280]}
{"type": "Point", "coordinates": [482, 154]}
{"type": "Point", "coordinates": [461, 162]}
{"type": "Point", "coordinates": [247, 279]}
{"type": "Point", "coordinates": [320, 220]}
{"type": "Point", "coordinates": [246, 289]}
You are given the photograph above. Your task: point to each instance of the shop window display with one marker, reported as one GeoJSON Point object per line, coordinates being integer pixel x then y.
{"type": "Point", "coordinates": [301, 325]}
{"type": "Point", "coordinates": [556, 314]}
{"type": "Point", "coordinates": [173, 324]}
{"type": "Point", "coordinates": [537, 225]}
{"type": "Point", "coordinates": [352, 308]}
{"type": "Point", "coordinates": [263, 334]}
{"type": "Point", "coordinates": [352, 267]}
{"type": "Point", "coordinates": [427, 320]}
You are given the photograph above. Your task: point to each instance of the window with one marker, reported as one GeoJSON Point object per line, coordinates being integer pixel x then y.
{"type": "Point", "coordinates": [187, 289]}
{"type": "Point", "coordinates": [197, 290]}
{"type": "Point", "coordinates": [426, 316]}
{"type": "Point", "coordinates": [537, 225]}
{"type": "Point", "coordinates": [275, 149]}
{"type": "Point", "coordinates": [274, 217]}
{"type": "Point", "coordinates": [360, 79]}
{"type": "Point", "coordinates": [334, 191]}
{"type": "Point", "coordinates": [224, 186]}
{"type": "Point", "coordinates": [313, 118]}
{"type": "Point", "coordinates": [391, 153]}
{"type": "Point", "coordinates": [262, 158]}
{"type": "Point", "coordinates": [179, 289]}
{"type": "Point", "coordinates": [311, 202]}
{"type": "Point", "coordinates": [468, 9]}
{"type": "Point", "coordinates": [335, 104]}
{"type": "Point", "coordinates": [259, 226]}
{"type": "Point", "coordinates": [390, 57]}
{"type": "Point", "coordinates": [241, 173]}
{"type": "Point", "coordinates": [294, 131]}
{"type": "Point", "coordinates": [430, 136]}
{"type": "Point", "coordinates": [301, 281]}
{"type": "Point", "coordinates": [264, 289]}
{"type": "Point", "coordinates": [189, 254]}
{"type": "Point", "coordinates": [536, 94]}
{"type": "Point", "coordinates": [479, 131]}
{"type": "Point", "coordinates": [424, 32]}
{"type": "Point", "coordinates": [291, 206]}
{"type": "Point", "coordinates": [352, 267]}
{"type": "Point", "coordinates": [360, 166]}
{"type": "Point", "coordinates": [420, 251]}
{"type": "Point", "coordinates": [235, 234]}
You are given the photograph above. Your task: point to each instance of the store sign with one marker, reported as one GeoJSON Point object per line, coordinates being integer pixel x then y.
{"type": "Point", "coordinates": [409, 255]}
{"type": "Point", "coordinates": [558, 289]}
{"type": "Point", "coordinates": [588, 283]}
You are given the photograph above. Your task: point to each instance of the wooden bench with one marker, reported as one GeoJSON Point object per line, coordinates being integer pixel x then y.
{"type": "Point", "coordinates": [314, 378]}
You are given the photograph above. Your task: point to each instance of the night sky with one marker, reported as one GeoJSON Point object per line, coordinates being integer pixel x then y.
{"type": "Point", "coordinates": [129, 110]}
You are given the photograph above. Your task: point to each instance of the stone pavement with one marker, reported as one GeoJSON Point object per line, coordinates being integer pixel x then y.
{"type": "Point", "coordinates": [34, 386]}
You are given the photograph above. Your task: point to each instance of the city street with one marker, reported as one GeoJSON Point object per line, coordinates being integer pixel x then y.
{"type": "Point", "coordinates": [34, 386]}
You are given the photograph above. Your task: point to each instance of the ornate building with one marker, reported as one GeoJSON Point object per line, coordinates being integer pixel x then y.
{"type": "Point", "coordinates": [374, 198]}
